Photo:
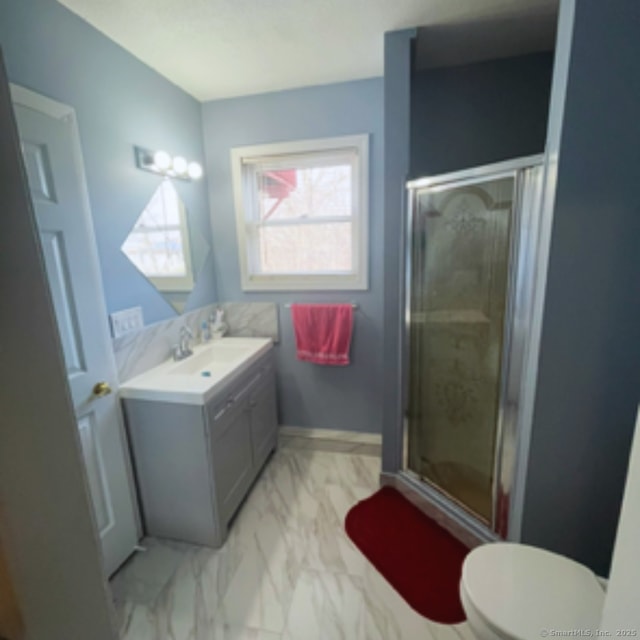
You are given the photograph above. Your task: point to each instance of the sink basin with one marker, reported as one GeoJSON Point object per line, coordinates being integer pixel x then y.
{"type": "Point", "coordinates": [210, 357]}
{"type": "Point", "coordinates": [196, 378]}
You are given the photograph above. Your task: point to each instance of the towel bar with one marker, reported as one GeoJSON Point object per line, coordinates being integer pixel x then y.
{"type": "Point", "coordinates": [355, 305]}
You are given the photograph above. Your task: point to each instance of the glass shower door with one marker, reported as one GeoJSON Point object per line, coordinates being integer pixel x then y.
{"type": "Point", "coordinates": [460, 251]}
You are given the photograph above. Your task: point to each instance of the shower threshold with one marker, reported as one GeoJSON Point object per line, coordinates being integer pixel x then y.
{"type": "Point", "coordinates": [444, 509]}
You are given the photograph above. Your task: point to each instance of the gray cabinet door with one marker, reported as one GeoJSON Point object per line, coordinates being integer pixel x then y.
{"type": "Point", "coordinates": [264, 418]}
{"type": "Point", "coordinates": [172, 469]}
{"type": "Point", "coordinates": [231, 455]}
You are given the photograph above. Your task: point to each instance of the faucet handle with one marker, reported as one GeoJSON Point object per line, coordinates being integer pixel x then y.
{"type": "Point", "coordinates": [186, 336]}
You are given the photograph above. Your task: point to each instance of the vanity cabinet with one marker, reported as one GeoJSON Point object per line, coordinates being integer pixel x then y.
{"type": "Point", "coordinates": [194, 464]}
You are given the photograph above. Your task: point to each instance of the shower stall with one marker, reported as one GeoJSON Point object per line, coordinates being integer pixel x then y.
{"type": "Point", "coordinates": [470, 271]}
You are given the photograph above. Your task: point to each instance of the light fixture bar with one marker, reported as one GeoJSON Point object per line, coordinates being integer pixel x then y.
{"type": "Point", "coordinates": [163, 164]}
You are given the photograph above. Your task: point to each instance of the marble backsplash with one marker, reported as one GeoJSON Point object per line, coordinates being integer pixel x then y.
{"type": "Point", "coordinates": [251, 319]}
{"type": "Point", "coordinates": [139, 351]}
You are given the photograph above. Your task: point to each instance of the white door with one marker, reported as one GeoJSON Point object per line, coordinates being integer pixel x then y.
{"type": "Point", "coordinates": [53, 163]}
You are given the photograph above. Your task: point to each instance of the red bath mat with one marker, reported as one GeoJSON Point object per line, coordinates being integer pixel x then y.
{"type": "Point", "coordinates": [419, 558]}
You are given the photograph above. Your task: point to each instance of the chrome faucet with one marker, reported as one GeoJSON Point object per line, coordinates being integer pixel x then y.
{"type": "Point", "coordinates": [183, 349]}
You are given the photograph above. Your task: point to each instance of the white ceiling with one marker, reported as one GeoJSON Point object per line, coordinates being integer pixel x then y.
{"type": "Point", "coordinates": [221, 48]}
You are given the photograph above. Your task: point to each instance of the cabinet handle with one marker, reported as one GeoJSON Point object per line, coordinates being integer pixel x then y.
{"type": "Point", "coordinates": [228, 404]}
{"type": "Point", "coordinates": [220, 414]}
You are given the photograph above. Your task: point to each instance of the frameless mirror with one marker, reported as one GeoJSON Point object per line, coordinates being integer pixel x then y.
{"type": "Point", "coordinates": [165, 248]}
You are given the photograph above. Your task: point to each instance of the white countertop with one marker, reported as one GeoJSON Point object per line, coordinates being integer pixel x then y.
{"type": "Point", "coordinates": [197, 378]}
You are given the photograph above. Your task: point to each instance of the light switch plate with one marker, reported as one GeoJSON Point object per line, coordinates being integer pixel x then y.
{"type": "Point", "coordinates": [126, 321]}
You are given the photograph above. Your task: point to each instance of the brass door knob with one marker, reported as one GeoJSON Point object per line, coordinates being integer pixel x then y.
{"type": "Point", "coordinates": [101, 389]}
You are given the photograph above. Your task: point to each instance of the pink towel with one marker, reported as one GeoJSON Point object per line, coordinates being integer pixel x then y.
{"type": "Point", "coordinates": [323, 332]}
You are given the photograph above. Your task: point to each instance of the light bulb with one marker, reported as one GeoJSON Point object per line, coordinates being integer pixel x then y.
{"type": "Point", "coordinates": [194, 170]}
{"type": "Point", "coordinates": [179, 165]}
{"type": "Point", "coordinates": [162, 160]}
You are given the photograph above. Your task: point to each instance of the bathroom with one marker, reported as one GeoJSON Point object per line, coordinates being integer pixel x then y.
{"type": "Point", "coordinates": [340, 428]}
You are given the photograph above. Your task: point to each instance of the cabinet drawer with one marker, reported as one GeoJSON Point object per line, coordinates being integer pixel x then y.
{"type": "Point", "coordinates": [239, 392]}
{"type": "Point", "coordinates": [235, 399]}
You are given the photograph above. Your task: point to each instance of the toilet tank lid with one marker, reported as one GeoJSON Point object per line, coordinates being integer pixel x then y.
{"type": "Point", "coordinates": [524, 591]}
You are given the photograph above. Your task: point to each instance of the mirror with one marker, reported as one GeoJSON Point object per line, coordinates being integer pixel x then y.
{"type": "Point", "coordinates": [165, 248]}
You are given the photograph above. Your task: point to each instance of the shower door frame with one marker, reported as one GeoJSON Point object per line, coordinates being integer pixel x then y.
{"type": "Point", "coordinates": [520, 295]}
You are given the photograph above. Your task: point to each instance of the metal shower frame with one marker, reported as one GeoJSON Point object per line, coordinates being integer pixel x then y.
{"type": "Point", "coordinates": [523, 251]}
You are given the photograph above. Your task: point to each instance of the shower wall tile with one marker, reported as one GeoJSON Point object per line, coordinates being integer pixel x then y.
{"type": "Point", "coordinates": [137, 352]}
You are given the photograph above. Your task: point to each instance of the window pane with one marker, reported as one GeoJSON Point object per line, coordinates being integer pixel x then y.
{"type": "Point", "coordinates": [306, 248]}
{"type": "Point", "coordinates": [304, 193]}
{"type": "Point", "coordinates": [157, 253]}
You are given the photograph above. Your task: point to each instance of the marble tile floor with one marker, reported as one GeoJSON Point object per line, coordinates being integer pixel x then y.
{"type": "Point", "coordinates": [287, 571]}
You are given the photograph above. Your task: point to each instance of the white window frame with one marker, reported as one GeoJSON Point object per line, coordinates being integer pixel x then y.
{"type": "Point", "coordinates": [243, 163]}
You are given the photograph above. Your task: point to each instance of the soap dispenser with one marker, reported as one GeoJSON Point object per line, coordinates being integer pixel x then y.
{"type": "Point", "coordinates": [219, 327]}
{"type": "Point", "coordinates": [205, 332]}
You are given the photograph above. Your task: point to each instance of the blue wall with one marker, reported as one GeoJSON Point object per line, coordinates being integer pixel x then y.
{"type": "Point", "coordinates": [310, 396]}
{"type": "Point", "coordinates": [476, 114]}
{"type": "Point", "coordinates": [436, 121]}
{"type": "Point", "coordinates": [119, 102]}
{"type": "Point", "coordinates": [589, 370]}
{"type": "Point", "coordinates": [397, 135]}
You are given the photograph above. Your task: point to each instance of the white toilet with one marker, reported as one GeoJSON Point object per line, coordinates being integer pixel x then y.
{"type": "Point", "coordinates": [517, 592]}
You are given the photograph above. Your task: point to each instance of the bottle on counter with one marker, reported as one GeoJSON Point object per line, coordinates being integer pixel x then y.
{"type": "Point", "coordinates": [205, 332]}
{"type": "Point", "coordinates": [218, 327]}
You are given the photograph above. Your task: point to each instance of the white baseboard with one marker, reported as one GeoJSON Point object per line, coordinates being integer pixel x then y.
{"type": "Point", "coordinates": [354, 437]}
{"type": "Point", "coordinates": [387, 479]}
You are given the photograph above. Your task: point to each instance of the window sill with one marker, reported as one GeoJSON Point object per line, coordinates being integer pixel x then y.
{"type": "Point", "coordinates": [304, 283]}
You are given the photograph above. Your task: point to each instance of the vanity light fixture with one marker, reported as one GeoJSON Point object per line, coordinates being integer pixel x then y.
{"type": "Point", "coordinates": [162, 160]}
{"type": "Point", "coordinates": [162, 163]}
{"type": "Point", "coordinates": [194, 170]}
{"type": "Point", "coordinates": [179, 165]}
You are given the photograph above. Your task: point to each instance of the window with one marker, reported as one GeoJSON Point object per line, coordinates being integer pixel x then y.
{"type": "Point", "coordinates": [302, 214]}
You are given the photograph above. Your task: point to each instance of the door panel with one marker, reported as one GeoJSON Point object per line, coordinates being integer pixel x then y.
{"type": "Point", "coordinates": [263, 418]}
{"type": "Point", "coordinates": [232, 457]}
{"type": "Point", "coordinates": [460, 271]}
{"type": "Point", "coordinates": [38, 167]}
{"type": "Point", "coordinates": [96, 476]}
{"type": "Point", "coordinates": [56, 264]}
{"type": "Point", "coordinates": [56, 182]}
